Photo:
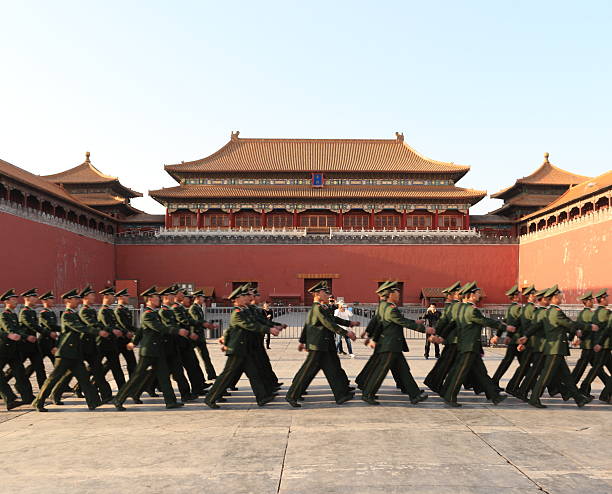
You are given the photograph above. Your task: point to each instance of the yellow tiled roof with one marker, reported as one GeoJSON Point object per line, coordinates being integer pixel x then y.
{"type": "Point", "coordinates": [317, 155]}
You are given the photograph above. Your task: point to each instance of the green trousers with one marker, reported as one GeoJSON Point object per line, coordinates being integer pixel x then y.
{"type": "Point", "coordinates": [317, 360]}
{"type": "Point", "coordinates": [72, 367]}
{"type": "Point", "coordinates": [234, 367]}
{"type": "Point", "coordinates": [469, 363]}
{"type": "Point", "coordinates": [555, 370]}
{"type": "Point", "coordinates": [135, 383]}
{"type": "Point", "coordinates": [22, 383]}
{"type": "Point", "coordinates": [396, 362]}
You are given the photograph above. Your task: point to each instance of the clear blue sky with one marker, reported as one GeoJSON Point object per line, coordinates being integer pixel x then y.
{"type": "Point", "coordinates": [489, 84]}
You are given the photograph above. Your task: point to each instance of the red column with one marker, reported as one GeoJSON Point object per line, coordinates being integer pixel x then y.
{"type": "Point", "coordinates": [167, 222]}
{"type": "Point", "coordinates": [372, 221]}
{"type": "Point", "coordinates": [295, 219]}
{"type": "Point", "coordinates": [232, 220]}
{"type": "Point", "coordinates": [467, 221]}
{"type": "Point", "coordinates": [263, 219]}
{"type": "Point", "coordinates": [340, 219]}
{"type": "Point", "coordinates": [198, 220]}
{"type": "Point", "coordinates": [435, 220]}
{"type": "Point", "coordinates": [403, 221]}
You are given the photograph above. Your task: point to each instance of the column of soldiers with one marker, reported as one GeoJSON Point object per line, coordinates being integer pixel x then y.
{"type": "Point", "coordinates": [86, 344]}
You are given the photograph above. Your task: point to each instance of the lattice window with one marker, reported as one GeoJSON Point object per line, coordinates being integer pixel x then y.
{"type": "Point", "coordinates": [387, 221]}
{"type": "Point", "coordinates": [356, 221]}
{"type": "Point", "coordinates": [252, 220]}
{"type": "Point", "coordinates": [317, 220]}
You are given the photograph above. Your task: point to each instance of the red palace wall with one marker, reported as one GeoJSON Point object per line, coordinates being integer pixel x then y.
{"type": "Point", "coordinates": [276, 267]}
{"type": "Point", "coordinates": [33, 254]}
{"type": "Point", "coordinates": [577, 260]}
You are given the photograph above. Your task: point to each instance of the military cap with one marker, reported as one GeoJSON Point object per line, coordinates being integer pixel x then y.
{"type": "Point", "coordinates": [321, 285]}
{"type": "Point", "coordinates": [149, 292]}
{"type": "Point", "coordinates": [178, 289]}
{"type": "Point", "coordinates": [122, 293]}
{"type": "Point", "coordinates": [513, 291]}
{"type": "Point", "coordinates": [586, 296]}
{"type": "Point", "coordinates": [86, 291]}
{"type": "Point", "coordinates": [553, 290]}
{"type": "Point", "coordinates": [238, 292]}
{"type": "Point", "coordinates": [529, 289]}
{"type": "Point", "coordinates": [601, 293]}
{"type": "Point", "coordinates": [8, 294]}
{"type": "Point", "coordinates": [47, 295]}
{"type": "Point", "coordinates": [462, 290]}
{"type": "Point", "coordinates": [454, 287]}
{"type": "Point", "coordinates": [198, 293]}
{"type": "Point", "coordinates": [471, 288]}
{"type": "Point", "coordinates": [107, 291]}
{"type": "Point", "coordinates": [541, 293]}
{"type": "Point", "coordinates": [74, 293]}
{"type": "Point", "coordinates": [171, 290]}
{"type": "Point", "coordinates": [32, 292]}
{"type": "Point", "coordinates": [393, 286]}
{"type": "Point", "coordinates": [384, 286]}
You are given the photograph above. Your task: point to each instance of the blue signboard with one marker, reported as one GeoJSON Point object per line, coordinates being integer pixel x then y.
{"type": "Point", "coordinates": [317, 180]}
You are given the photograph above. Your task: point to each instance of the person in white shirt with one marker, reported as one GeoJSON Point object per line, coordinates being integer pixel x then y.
{"type": "Point", "coordinates": [343, 312]}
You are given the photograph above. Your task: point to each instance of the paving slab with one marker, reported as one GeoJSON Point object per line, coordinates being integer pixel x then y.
{"type": "Point", "coordinates": [320, 448]}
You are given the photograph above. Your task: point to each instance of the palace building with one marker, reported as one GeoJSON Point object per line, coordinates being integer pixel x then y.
{"type": "Point", "coordinates": [317, 184]}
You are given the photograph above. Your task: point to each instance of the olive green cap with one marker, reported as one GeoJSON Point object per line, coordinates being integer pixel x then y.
{"type": "Point", "coordinates": [86, 291]}
{"type": "Point", "coordinates": [321, 285]}
{"type": "Point", "coordinates": [74, 293]}
{"type": "Point", "coordinates": [601, 293]}
{"type": "Point", "coordinates": [541, 293]}
{"type": "Point", "coordinates": [149, 292]}
{"type": "Point", "coordinates": [122, 293]}
{"type": "Point", "coordinates": [47, 295]}
{"type": "Point", "coordinates": [170, 290]}
{"type": "Point", "coordinates": [107, 291]}
{"type": "Point", "coordinates": [513, 291]}
{"type": "Point", "coordinates": [586, 296]}
{"type": "Point", "coordinates": [239, 291]}
{"type": "Point", "coordinates": [198, 293]}
{"type": "Point", "coordinates": [32, 292]}
{"type": "Point", "coordinates": [463, 289]}
{"type": "Point", "coordinates": [553, 290]}
{"type": "Point", "coordinates": [8, 294]}
{"type": "Point", "coordinates": [529, 289]}
{"type": "Point", "coordinates": [454, 287]}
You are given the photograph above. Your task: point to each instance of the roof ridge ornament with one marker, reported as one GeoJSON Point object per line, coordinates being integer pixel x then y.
{"type": "Point", "coordinates": [235, 135]}
{"type": "Point", "coordinates": [87, 154]}
{"type": "Point", "coordinates": [399, 136]}
{"type": "Point", "coordinates": [546, 155]}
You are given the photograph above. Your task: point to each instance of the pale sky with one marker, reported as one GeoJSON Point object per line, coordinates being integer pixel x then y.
{"type": "Point", "coordinates": [141, 84]}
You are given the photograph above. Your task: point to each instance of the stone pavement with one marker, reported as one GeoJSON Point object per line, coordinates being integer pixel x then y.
{"type": "Point", "coordinates": [320, 448]}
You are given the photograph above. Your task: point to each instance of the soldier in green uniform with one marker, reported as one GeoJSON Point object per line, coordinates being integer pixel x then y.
{"type": "Point", "coordinates": [196, 311]}
{"type": "Point", "coordinates": [602, 345]}
{"type": "Point", "coordinates": [171, 340]}
{"type": "Point", "coordinates": [391, 342]}
{"type": "Point", "coordinates": [186, 346]}
{"type": "Point", "coordinates": [585, 334]}
{"type": "Point", "coordinates": [69, 355]}
{"type": "Point", "coordinates": [126, 325]}
{"type": "Point", "coordinates": [470, 322]}
{"type": "Point", "coordinates": [606, 394]}
{"type": "Point", "coordinates": [525, 351]}
{"type": "Point", "coordinates": [108, 346]}
{"type": "Point", "coordinates": [50, 330]}
{"type": "Point", "coordinates": [445, 332]}
{"type": "Point", "coordinates": [319, 340]}
{"type": "Point", "coordinates": [11, 333]}
{"type": "Point", "coordinates": [556, 328]}
{"type": "Point", "coordinates": [240, 357]}
{"type": "Point", "coordinates": [512, 318]}
{"type": "Point", "coordinates": [28, 347]}
{"type": "Point", "coordinates": [91, 355]}
{"type": "Point", "coordinates": [149, 337]}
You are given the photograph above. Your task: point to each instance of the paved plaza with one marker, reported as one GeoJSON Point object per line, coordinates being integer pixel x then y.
{"type": "Point", "coordinates": [320, 448]}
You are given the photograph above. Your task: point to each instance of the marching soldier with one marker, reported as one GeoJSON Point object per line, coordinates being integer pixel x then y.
{"type": "Point", "coordinates": [124, 318]}
{"type": "Point", "coordinates": [28, 318]}
{"type": "Point", "coordinates": [322, 355]}
{"type": "Point", "coordinates": [240, 356]}
{"type": "Point", "coordinates": [69, 355]}
{"type": "Point", "coordinates": [186, 346]}
{"type": "Point", "coordinates": [556, 328]}
{"type": "Point", "coordinates": [390, 339]}
{"type": "Point", "coordinates": [602, 345]}
{"type": "Point", "coordinates": [108, 346]}
{"type": "Point", "coordinates": [445, 331]}
{"type": "Point", "coordinates": [585, 334]}
{"type": "Point", "coordinates": [469, 360]}
{"type": "Point", "coordinates": [196, 311]}
{"type": "Point", "coordinates": [50, 330]}
{"type": "Point", "coordinates": [606, 394]}
{"type": "Point", "coordinates": [149, 337]}
{"type": "Point", "coordinates": [91, 355]}
{"type": "Point", "coordinates": [512, 318]}
{"type": "Point", "coordinates": [11, 333]}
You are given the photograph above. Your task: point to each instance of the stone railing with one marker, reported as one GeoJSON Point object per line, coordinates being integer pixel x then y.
{"type": "Point", "coordinates": [51, 220]}
{"type": "Point", "coordinates": [308, 236]}
{"type": "Point", "coordinates": [587, 219]}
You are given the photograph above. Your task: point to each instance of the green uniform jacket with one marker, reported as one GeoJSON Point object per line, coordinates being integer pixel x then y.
{"type": "Point", "coordinates": [445, 319]}
{"type": "Point", "coordinates": [9, 323]}
{"type": "Point", "coordinates": [583, 323]}
{"type": "Point", "coordinates": [28, 318]}
{"type": "Point", "coordinates": [601, 317]}
{"type": "Point", "coordinates": [242, 325]}
{"type": "Point", "coordinates": [556, 328]}
{"type": "Point", "coordinates": [469, 328]}
{"type": "Point", "coordinates": [535, 332]}
{"type": "Point", "coordinates": [149, 337]}
{"type": "Point", "coordinates": [124, 318]}
{"type": "Point", "coordinates": [70, 343]}
{"type": "Point", "coordinates": [89, 317]}
{"type": "Point", "coordinates": [391, 338]}
{"type": "Point", "coordinates": [196, 314]}
{"type": "Point", "coordinates": [106, 317]}
{"type": "Point", "coordinates": [527, 317]}
{"type": "Point", "coordinates": [373, 328]}
{"type": "Point", "coordinates": [47, 320]}
{"type": "Point", "coordinates": [513, 318]}
{"type": "Point", "coordinates": [321, 328]}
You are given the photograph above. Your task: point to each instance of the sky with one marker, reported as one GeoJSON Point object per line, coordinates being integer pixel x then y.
{"type": "Point", "coordinates": [141, 84]}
